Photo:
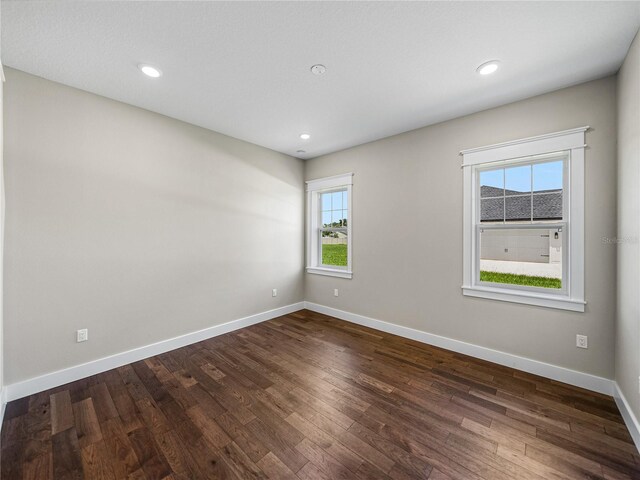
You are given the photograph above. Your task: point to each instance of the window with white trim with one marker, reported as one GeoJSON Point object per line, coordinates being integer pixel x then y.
{"type": "Point", "coordinates": [524, 221]}
{"type": "Point", "coordinates": [329, 226]}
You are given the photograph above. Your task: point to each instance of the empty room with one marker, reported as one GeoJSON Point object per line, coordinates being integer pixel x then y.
{"type": "Point", "coordinates": [320, 240]}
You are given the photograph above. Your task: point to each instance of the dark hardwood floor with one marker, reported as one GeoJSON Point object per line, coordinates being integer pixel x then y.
{"type": "Point", "coordinates": [307, 396]}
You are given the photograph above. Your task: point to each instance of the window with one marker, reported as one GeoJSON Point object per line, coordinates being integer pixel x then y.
{"type": "Point", "coordinates": [524, 221]}
{"type": "Point", "coordinates": [329, 226]}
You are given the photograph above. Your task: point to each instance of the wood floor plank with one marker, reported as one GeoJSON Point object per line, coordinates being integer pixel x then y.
{"type": "Point", "coordinates": [324, 461]}
{"type": "Point", "coordinates": [124, 461]}
{"type": "Point", "coordinates": [570, 466]}
{"type": "Point", "coordinates": [37, 427]}
{"type": "Point", "coordinates": [40, 468]}
{"type": "Point", "coordinates": [102, 402]}
{"type": "Point", "coordinates": [151, 460]}
{"type": "Point", "coordinates": [204, 457]}
{"type": "Point", "coordinates": [153, 417]}
{"type": "Point", "coordinates": [96, 462]}
{"type": "Point", "coordinates": [13, 432]}
{"type": "Point", "coordinates": [61, 412]}
{"type": "Point", "coordinates": [306, 396]}
{"type": "Point", "coordinates": [272, 467]}
{"type": "Point", "coordinates": [86, 423]}
{"type": "Point", "coordinates": [326, 442]}
{"type": "Point", "coordinates": [347, 439]}
{"type": "Point", "coordinates": [11, 464]}
{"type": "Point", "coordinates": [175, 454]}
{"type": "Point", "coordinates": [288, 455]}
{"type": "Point", "coordinates": [528, 463]}
{"type": "Point", "coordinates": [250, 444]}
{"type": "Point", "coordinates": [17, 408]}
{"type": "Point", "coordinates": [67, 460]}
{"type": "Point", "coordinates": [209, 427]}
{"type": "Point", "coordinates": [239, 463]}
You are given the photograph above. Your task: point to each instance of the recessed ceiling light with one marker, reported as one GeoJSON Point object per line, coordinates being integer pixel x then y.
{"type": "Point", "coordinates": [318, 69]}
{"type": "Point", "coordinates": [488, 68]}
{"type": "Point", "coordinates": [305, 136]}
{"type": "Point", "coordinates": [149, 70]}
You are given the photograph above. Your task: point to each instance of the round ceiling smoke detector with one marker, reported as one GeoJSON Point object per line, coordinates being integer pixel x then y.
{"type": "Point", "coordinates": [318, 69]}
{"type": "Point", "coordinates": [301, 151]}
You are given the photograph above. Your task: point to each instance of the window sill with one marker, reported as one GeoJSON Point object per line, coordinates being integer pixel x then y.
{"type": "Point", "coordinates": [528, 298]}
{"type": "Point", "coordinates": [331, 272]}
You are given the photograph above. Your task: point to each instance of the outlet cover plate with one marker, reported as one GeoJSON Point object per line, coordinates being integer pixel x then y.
{"type": "Point", "coordinates": [82, 335]}
{"type": "Point", "coordinates": [582, 341]}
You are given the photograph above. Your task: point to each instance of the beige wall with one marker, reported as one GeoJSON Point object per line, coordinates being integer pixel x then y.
{"type": "Point", "coordinates": [135, 226]}
{"type": "Point", "coordinates": [410, 186]}
{"type": "Point", "coordinates": [628, 311]}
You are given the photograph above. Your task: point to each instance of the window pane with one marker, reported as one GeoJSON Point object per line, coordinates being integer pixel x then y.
{"type": "Point", "coordinates": [492, 210]}
{"type": "Point", "coordinates": [336, 201]}
{"type": "Point", "coordinates": [518, 208]}
{"type": "Point", "coordinates": [334, 248]}
{"type": "Point", "coordinates": [522, 256]}
{"type": "Point", "coordinates": [492, 183]}
{"type": "Point", "coordinates": [547, 206]}
{"type": "Point", "coordinates": [517, 180]}
{"type": "Point", "coordinates": [326, 219]}
{"type": "Point", "coordinates": [547, 176]}
{"type": "Point", "coordinates": [325, 201]}
{"type": "Point", "coordinates": [336, 218]}
{"type": "Point", "coordinates": [344, 200]}
{"type": "Point", "coordinates": [345, 216]}
{"type": "Point", "coordinates": [547, 185]}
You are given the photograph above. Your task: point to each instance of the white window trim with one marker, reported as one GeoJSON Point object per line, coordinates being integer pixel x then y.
{"type": "Point", "coordinates": [572, 141]}
{"type": "Point", "coordinates": [314, 189]}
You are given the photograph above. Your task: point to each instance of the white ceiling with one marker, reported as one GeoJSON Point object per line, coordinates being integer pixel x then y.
{"type": "Point", "coordinates": [242, 68]}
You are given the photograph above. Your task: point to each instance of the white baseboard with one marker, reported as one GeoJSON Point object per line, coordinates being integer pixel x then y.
{"type": "Point", "coordinates": [554, 372]}
{"type": "Point", "coordinates": [60, 377]}
{"type": "Point", "coordinates": [627, 414]}
{"type": "Point", "coordinates": [3, 405]}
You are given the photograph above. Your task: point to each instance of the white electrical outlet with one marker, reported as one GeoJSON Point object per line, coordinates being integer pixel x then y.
{"type": "Point", "coordinates": [582, 341]}
{"type": "Point", "coordinates": [82, 335]}
{"type": "Point", "coordinates": [274, 292]}
{"type": "Point", "coordinates": [335, 292]}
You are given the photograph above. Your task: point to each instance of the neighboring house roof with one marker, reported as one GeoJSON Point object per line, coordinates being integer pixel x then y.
{"type": "Point", "coordinates": [513, 205]}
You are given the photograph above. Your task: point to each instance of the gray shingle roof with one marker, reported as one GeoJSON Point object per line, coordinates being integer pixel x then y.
{"type": "Point", "coordinates": [515, 206]}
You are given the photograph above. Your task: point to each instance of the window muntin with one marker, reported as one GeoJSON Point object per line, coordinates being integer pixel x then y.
{"type": "Point", "coordinates": [521, 225]}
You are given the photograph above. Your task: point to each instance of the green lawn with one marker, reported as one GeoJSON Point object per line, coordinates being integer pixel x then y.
{"type": "Point", "coordinates": [334, 254]}
{"type": "Point", "coordinates": [514, 279]}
